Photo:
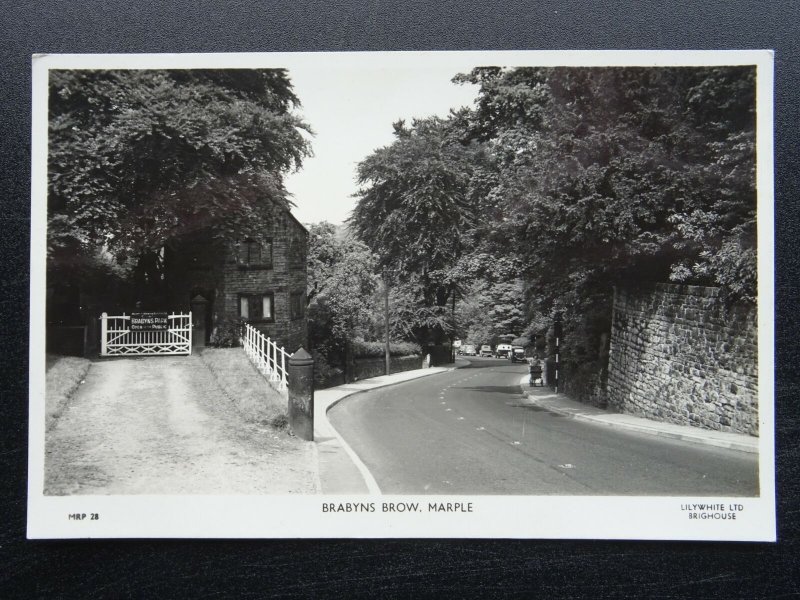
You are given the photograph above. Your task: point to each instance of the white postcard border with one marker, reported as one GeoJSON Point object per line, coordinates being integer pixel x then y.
{"type": "Point", "coordinates": [578, 517]}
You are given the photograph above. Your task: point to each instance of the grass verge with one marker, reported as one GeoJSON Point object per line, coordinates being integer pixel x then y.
{"type": "Point", "coordinates": [64, 375]}
{"type": "Point", "coordinates": [253, 397]}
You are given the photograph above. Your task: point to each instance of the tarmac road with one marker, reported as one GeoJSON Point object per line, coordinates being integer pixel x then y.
{"type": "Point", "coordinates": [471, 431]}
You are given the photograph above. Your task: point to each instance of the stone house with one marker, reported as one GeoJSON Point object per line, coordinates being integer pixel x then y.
{"type": "Point", "coordinates": [260, 280]}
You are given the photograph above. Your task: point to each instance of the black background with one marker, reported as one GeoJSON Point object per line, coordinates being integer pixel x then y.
{"type": "Point", "coordinates": [345, 568]}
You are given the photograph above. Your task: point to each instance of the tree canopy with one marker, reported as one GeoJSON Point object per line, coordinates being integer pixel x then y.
{"type": "Point", "coordinates": [139, 158]}
{"type": "Point", "coordinates": [560, 183]}
{"type": "Point", "coordinates": [342, 308]}
{"type": "Point", "coordinates": [616, 173]}
{"type": "Point", "coordinates": [610, 176]}
{"type": "Point", "coordinates": [416, 206]}
{"type": "Point", "coordinates": [341, 283]}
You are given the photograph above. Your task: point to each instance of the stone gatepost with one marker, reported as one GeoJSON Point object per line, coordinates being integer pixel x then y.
{"type": "Point", "coordinates": [300, 379]}
{"type": "Point", "coordinates": [199, 307]}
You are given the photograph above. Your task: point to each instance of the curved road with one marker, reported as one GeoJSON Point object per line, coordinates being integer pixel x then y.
{"type": "Point", "coordinates": [471, 431]}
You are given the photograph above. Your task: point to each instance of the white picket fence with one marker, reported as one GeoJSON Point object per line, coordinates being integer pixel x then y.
{"type": "Point", "coordinates": [117, 339]}
{"type": "Point", "coordinates": [265, 354]}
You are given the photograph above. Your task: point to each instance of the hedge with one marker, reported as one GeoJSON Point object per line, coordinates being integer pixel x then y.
{"type": "Point", "coordinates": [362, 349]}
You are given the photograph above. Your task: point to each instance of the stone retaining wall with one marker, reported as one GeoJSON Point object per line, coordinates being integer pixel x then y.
{"type": "Point", "coordinates": [678, 354]}
{"type": "Point", "coordinates": [375, 367]}
{"type": "Point", "coordinates": [364, 368]}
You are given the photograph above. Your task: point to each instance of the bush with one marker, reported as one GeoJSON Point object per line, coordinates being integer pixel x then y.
{"type": "Point", "coordinates": [325, 375]}
{"type": "Point", "coordinates": [363, 349]}
{"type": "Point", "coordinates": [404, 349]}
{"type": "Point", "coordinates": [226, 334]}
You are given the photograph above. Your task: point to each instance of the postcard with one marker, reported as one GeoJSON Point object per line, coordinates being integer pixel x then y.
{"type": "Point", "coordinates": [507, 294]}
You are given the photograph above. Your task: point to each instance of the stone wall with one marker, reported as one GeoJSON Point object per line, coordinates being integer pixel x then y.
{"type": "Point", "coordinates": [364, 368]}
{"type": "Point", "coordinates": [679, 354]}
{"type": "Point", "coordinates": [375, 367]}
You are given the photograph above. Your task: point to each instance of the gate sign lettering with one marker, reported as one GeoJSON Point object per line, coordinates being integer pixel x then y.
{"type": "Point", "coordinates": [149, 321]}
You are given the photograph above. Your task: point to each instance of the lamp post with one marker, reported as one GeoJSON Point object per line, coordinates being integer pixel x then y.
{"type": "Point", "coordinates": [387, 348]}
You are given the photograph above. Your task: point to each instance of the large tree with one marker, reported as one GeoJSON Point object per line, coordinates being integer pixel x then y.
{"type": "Point", "coordinates": [493, 299]}
{"type": "Point", "coordinates": [140, 159]}
{"type": "Point", "coordinates": [341, 279]}
{"type": "Point", "coordinates": [340, 291]}
{"type": "Point", "coordinates": [607, 175]}
{"type": "Point", "coordinates": [415, 206]}
{"type": "Point", "coordinates": [618, 173]}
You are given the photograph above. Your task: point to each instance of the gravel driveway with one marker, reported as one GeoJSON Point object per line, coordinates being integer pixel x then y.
{"type": "Point", "coordinates": [162, 425]}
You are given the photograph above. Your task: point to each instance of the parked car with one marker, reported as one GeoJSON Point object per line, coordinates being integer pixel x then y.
{"type": "Point", "coordinates": [468, 350]}
{"type": "Point", "coordinates": [517, 354]}
{"type": "Point", "coordinates": [486, 350]}
{"type": "Point", "coordinates": [503, 350]}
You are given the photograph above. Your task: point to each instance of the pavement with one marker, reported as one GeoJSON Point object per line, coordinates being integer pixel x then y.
{"type": "Point", "coordinates": [543, 397]}
{"type": "Point", "coordinates": [340, 469]}
{"type": "Point", "coordinates": [343, 472]}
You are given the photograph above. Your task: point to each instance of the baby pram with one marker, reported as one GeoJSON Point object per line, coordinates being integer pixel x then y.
{"type": "Point", "coordinates": [535, 371]}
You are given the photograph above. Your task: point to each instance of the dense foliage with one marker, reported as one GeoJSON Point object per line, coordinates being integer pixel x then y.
{"type": "Point", "coordinates": [340, 292]}
{"type": "Point", "coordinates": [561, 183]}
{"type": "Point", "coordinates": [616, 173]}
{"type": "Point", "coordinates": [492, 306]}
{"type": "Point", "coordinates": [346, 316]}
{"type": "Point", "coordinates": [139, 159]}
{"type": "Point", "coordinates": [377, 349]}
{"type": "Point", "coordinates": [416, 205]}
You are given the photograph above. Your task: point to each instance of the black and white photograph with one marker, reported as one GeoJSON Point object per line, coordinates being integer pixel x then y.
{"type": "Point", "coordinates": [409, 294]}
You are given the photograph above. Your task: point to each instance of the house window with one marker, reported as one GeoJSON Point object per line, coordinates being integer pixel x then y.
{"type": "Point", "coordinates": [297, 305]}
{"type": "Point", "coordinates": [256, 254]}
{"type": "Point", "coordinates": [252, 253]}
{"type": "Point", "coordinates": [257, 307]}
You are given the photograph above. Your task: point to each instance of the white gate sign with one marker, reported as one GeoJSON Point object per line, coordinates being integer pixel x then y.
{"type": "Point", "coordinates": [150, 321]}
{"type": "Point", "coordinates": [145, 334]}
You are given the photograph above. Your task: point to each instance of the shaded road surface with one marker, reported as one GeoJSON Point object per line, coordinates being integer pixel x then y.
{"type": "Point", "coordinates": [162, 425]}
{"type": "Point", "coordinates": [471, 431]}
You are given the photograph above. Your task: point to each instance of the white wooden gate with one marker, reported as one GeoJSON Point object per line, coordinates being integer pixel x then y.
{"type": "Point", "coordinates": [117, 339]}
